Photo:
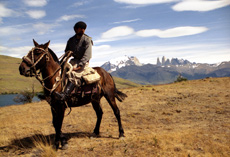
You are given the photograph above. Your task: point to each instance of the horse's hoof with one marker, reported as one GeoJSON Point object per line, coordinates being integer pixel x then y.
{"type": "Point", "coordinates": [121, 136]}
{"type": "Point", "coordinates": [55, 147]}
{"type": "Point", "coordinates": [94, 135]}
{"type": "Point", "coordinates": [64, 147]}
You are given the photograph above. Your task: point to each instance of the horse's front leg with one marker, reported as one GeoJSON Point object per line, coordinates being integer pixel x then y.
{"type": "Point", "coordinates": [58, 112]}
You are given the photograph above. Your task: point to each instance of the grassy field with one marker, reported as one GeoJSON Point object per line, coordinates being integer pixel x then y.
{"type": "Point", "coordinates": [10, 79]}
{"type": "Point", "coordinates": [190, 118]}
{"type": "Point", "coordinates": [12, 82]}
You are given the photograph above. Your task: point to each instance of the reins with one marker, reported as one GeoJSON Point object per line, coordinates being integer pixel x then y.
{"type": "Point", "coordinates": [34, 70]}
{"type": "Point", "coordinates": [42, 81]}
{"type": "Point", "coordinates": [33, 64]}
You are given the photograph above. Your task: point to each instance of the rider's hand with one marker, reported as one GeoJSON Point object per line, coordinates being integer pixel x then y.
{"type": "Point", "coordinates": [77, 68]}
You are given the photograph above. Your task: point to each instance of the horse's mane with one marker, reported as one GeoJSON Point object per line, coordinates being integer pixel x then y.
{"type": "Point", "coordinates": [54, 56]}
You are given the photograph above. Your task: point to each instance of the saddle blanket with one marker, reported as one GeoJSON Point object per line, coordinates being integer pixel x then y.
{"type": "Point", "coordinates": [87, 89]}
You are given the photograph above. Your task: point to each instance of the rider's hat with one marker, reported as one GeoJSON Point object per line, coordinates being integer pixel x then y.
{"type": "Point", "coordinates": [80, 24]}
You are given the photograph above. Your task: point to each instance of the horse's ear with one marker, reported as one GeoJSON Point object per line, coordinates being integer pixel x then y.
{"type": "Point", "coordinates": [35, 43]}
{"type": "Point", "coordinates": [46, 45]}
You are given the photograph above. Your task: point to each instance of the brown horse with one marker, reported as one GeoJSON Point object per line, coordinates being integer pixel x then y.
{"type": "Point", "coordinates": [42, 58]}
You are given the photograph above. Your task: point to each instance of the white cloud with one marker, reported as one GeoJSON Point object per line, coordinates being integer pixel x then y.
{"type": "Point", "coordinates": [200, 53]}
{"type": "Point", "coordinates": [58, 48]}
{"type": "Point", "coordinates": [35, 3]}
{"type": "Point", "coordinates": [15, 51]}
{"type": "Point", "coordinates": [36, 14]}
{"type": "Point", "coordinates": [182, 5]}
{"type": "Point", "coordinates": [101, 54]}
{"type": "Point", "coordinates": [123, 32]}
{"type": "Point", "coordinates": [43, 28]}
{"type": "Point", "coordinates": [173, 32]}
{"type": "Point", "coordinates": [5, 12]}
{"type": "Point", "coordinates": [144, 2]}
{"type": "Point", "coordinates": [69, 17]}
{"type": "Point", "coordinates": [77, 4]}
{"type": "Point", "coordinates": [116, 32]}
{"type": "Point", "coordinates": [200, 5]}
{"type": "Point", "coordinates": [5, 31]}
{"type": "Point", "coordinates": [19, 52]}
{"type": "Point", "coordinates": [127, 21]}
{"type": "Point", "coordinates": [13, 30]}
{"type": "Point", "coordinates": [101, 48]}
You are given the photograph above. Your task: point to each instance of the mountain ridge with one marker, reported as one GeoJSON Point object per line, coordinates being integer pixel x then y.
{"type": "Point", "coordinates": [166, 71]}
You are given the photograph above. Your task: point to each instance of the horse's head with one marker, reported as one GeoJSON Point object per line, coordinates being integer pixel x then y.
{"type": "Point", "coordinates": [35, 59]}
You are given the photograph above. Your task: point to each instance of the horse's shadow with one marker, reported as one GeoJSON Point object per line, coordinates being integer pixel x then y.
{"type": "Point", "coordinates": [30, 142]}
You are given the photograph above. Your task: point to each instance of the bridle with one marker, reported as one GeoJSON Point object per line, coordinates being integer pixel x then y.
{"type": "Point", "coordinates": [31, 62]}
{"type": "Point", "coordinates": [32, 65]}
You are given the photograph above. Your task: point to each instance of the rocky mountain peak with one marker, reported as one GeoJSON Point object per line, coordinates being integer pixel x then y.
{"type": "Point", "coordinates": [173, 61]}
{"type": "Point", "coordinates": [119, 62]}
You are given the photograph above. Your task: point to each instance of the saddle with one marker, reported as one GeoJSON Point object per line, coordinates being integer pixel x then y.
{"type": "Point", "coordinates": [89, 80]}
{"type": "Point", "coordinates": [86, 89]}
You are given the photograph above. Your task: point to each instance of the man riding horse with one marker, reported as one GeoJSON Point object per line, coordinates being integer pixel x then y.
{"type": "Point", "coordinates": [42, 61]}
{"type": "Point", "coordinates": [81, 46]}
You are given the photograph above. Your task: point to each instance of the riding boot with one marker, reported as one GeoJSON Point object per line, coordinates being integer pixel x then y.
{"type": "Point", "coordinates": [68, 89]}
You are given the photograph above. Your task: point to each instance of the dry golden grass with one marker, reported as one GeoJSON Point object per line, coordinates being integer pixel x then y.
{"type": "Point", "coordinates": [183, 119]}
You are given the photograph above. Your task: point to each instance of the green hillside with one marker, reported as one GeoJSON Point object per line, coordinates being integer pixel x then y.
{"type": "Point", "coordinates": [122, 83]}
{"type": "Point", "coordinates": [12, 82]}
{"type": "Point", "coordinates": [10, 79]}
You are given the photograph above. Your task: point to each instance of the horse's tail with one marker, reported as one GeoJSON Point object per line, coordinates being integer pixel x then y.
{"type": "Point", "coordinates": [118, 94]}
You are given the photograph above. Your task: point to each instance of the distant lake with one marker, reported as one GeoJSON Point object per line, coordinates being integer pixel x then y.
{"type": "Point", "coordinates": [6, 100]}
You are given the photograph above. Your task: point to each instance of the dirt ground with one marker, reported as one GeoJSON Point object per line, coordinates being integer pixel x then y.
{"type": "Point", "coordinates": [190, 118]}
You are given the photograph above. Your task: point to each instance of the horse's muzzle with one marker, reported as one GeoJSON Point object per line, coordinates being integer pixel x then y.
{"type": "Point", "coordinates": [24, 70]}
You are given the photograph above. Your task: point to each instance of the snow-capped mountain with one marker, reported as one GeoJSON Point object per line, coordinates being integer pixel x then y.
{"type": "Point", "coordinates": [117, 63]}
{"type": "Point", "coordinates": [164, 71]}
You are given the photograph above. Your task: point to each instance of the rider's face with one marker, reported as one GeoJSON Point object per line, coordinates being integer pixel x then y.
{"type": "Point", "coordinates": [80, 31]}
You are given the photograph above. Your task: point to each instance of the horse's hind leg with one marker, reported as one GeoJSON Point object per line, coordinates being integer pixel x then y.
{"type": "Point", "coordinates": [99, 112]}
{"type": "Point", "coordinates": [116, 111]}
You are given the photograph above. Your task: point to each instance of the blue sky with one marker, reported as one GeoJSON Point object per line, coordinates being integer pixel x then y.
{"type": "Point", "coordinates": [197, 30]}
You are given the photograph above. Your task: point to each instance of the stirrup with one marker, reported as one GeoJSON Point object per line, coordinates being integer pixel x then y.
{"type": "Point", "coordinates": [60, 96]}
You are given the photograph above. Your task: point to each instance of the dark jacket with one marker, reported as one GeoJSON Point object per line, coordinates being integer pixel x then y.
{"type": "Point", "coordinates": [82, 48]}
